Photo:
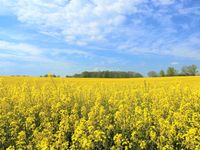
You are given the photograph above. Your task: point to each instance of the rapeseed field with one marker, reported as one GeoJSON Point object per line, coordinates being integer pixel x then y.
{"type": "Point", "coordinates": [117, 114]}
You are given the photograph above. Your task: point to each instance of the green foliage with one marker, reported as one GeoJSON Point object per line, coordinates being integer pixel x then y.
{"type": "Point", "coordinates": [108, 74]}
{"type": "Point", "coordinates": [171, 71]}
{"type": "Point", "coordinates": [152, 74]}
{"type": "Point", "coordinates": [189, 70]}
{"type": "Point", "coordinates": [162, 73]}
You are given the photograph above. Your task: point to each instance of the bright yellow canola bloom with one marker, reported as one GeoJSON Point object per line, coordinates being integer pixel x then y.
{"type": "Point", "coordinates": [57, 113]}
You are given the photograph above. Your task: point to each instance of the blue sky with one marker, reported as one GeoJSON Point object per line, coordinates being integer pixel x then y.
{"type": "Point", "coordinates": [70, 36]}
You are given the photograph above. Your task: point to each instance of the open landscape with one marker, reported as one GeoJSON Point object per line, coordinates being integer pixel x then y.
{"type": "Point", "coordinates": [99, 74]}
{"type": "Point", "coordinates": [70, 113]}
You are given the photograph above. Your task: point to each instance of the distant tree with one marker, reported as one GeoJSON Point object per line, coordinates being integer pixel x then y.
{"type": "Point", "coordinates": [162, 73]}
{"type": "Point", "coordinates": [75, 75]}
{"type": "Point", "coordinates": [108, 74]}
{"type": "Point", "coordinates": [68, 76]}
{"type": "Point", "coordinates": [171, 71]}
{"type": "Point", "coordinates": [85, 74]}
{"type": "Point", "coordinates": [152, 74]}
{"type": "Point", "coordinates": [189, 70]}
{"type": "Point", "coordinates": [135, 75]}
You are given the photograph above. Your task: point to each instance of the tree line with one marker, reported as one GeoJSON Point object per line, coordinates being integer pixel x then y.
{"type": "Point", "coordinates": [108, 74]}
{"type": "Point", "coordinates": [190, 70]}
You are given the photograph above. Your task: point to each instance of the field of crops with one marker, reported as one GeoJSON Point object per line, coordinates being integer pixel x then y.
{"type": "Point", "coordinates": [61, 113]}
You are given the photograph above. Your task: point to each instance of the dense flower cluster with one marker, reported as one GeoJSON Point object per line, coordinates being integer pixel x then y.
{"type": "Point", "coordinates": [116, 114]}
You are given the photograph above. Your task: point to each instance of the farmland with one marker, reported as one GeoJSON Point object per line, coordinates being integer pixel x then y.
{"type": "Point", "coordinates": [76, 113]}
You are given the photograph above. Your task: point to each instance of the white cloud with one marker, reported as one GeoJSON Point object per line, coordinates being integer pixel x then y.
{"type": "Point", "coordinates": [183, 52]}
{"type": "Point", "coordinates": [83, 22]}
{"type": "Point", "coordinates": [75, 52]}
{"type": "Point", "coordinates": [28, 52]}
{"type": "Point", "coordinates": [187, 48]}
{"type": "Point", "coordinates": [107, 24]}
{"type": "Point", "coordinates": [14, 36]}
{"type": "Point", "coordinates": [6, 7]}
{"type": "Point", "coordinates": [174, 63]}
{"type": "Point", "coordinates": [79, 21]}
{"type": "Point", "coordinates": [19, 48]}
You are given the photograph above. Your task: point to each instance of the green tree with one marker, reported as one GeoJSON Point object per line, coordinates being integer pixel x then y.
{"type": "Point", "coordinates": [171, 71]}
{"type": "Point", "coordinates": [189, 70]}
{"type": "Point", "coordinates": [152, 74]}
{"type": "Point", "coordinates": [162, 73]}
{"type": "Point", "coordinates": [108, 74]}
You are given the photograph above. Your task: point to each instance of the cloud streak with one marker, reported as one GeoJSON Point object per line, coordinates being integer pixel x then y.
{"type": "Point", "coordinates": [20, 48]}
{"type": "Point", "coordinates": [30, 52]}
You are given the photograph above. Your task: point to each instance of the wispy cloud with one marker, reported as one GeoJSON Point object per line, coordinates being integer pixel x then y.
{"type": "Point", "coordinates": [20, 48]}
{"type": "Point", "coordinates": [174, 63]}
{"type": "Point", "coordinates": [30, 52]}
{"type": "Point", "coordinates": [74, 52]}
